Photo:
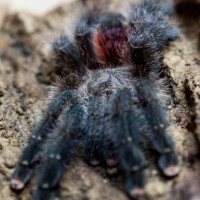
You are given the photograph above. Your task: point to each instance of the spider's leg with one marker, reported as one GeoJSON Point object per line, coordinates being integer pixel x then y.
{"type": "Point", "coordinates": [83, 36]}
{"type": "Point", "coordinates": [69, 64]}
{"type": "Point", "coordinates": [155, 125]}
{"type": "Point", "coordinates": [125, 132]}
{"type": "Point", "coordinates": [149, 33]}
{"type": "Point", "coordinates": [59, 152]}
{"type": "Point", "coordinates": [154, 6]}
{"type": "Point", "coordinates": [144, 53]}
{"type": "Point", "coordinates": [133, 162]}
{"type": "Point", "coordinates": [94, 130]}
{"type": "Point", "coordinates": [68, 61]}
{"type": "Point", "coordinates": [32, 153]}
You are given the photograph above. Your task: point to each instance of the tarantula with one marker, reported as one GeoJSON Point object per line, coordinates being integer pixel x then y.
{"type": "Point", "coordinates": [106, 100]}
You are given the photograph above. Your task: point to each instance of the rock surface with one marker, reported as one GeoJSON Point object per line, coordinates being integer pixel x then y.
{"type": "Point", "coordinates": [25, 71]}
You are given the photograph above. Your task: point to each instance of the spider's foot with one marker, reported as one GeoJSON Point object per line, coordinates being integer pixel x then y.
{"type": "Point", "coordinates": [110, 153]}
{"type": "Point", "coordinates": [93, 156]}
{"type": "Point", "coordinates": [112, 162]}
{"type": "Point", "coordinates": [16, 184]}
{"type": "Point", "coordinates": [172, 170]}
{"type": "Point", "coordinates": [94, 162]}
{"type": "Point", "coordinates": [136, 193]}
{"type": "Point", "coordinates": [20, 177]}
{"type": "Point", "coordinates": [169, 164]}
{"type": "Point", "coordinates": [135, 184]}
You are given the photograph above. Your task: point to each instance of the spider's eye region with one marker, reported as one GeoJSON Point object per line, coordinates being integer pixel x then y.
{"type": "Point", "coordinates": [109, 45]}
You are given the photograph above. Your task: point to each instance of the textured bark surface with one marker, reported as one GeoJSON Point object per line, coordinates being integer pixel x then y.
{"type": "Point", "coordinates": [25, 71]}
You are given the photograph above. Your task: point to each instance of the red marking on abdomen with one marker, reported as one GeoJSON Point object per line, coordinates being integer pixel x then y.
{"type": "Point", "coordinates": [109, 45]}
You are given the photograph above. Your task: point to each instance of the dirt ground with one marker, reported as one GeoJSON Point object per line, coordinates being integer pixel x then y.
{"type": "Point", "coordinates": [25, 73]}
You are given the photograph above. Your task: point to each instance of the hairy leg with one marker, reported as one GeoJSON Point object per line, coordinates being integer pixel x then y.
{"type": "Point", "coordinates": [94, 130]}
{"type": "Point", "coordinates": [149, 33]}
{"type": "Point", "coordinates": [32, 153]}
{"type": "Point", "coordinates": [59, 152]}
{"type": "Point", "coordinates": [125, 128]}
{"type": "Point", "coordinates": [149, 17]}
{"type": "Point", "coordinates": [156, 124]}
{"type": "Point", "coordinates": [67, 58]}
{"type": "Point", "coordinates": [71, 73]}
{"type": "Point", "coordinates": [83, 37]}
{"type": "Point", "coordinates": [164, 6]}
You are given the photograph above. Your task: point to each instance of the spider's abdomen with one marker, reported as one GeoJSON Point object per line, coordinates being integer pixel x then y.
{"type": "Point", "coordinates": [109, 46]}
{"type": "Point", "coordinates": [109, 40]}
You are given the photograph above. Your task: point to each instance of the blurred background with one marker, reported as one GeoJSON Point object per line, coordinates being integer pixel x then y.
{"type": "Point", "coordinates": [36, 7]}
